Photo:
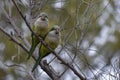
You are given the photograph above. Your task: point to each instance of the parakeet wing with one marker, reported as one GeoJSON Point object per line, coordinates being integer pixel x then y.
{"type": "Point", "coordinates": [35, 42]}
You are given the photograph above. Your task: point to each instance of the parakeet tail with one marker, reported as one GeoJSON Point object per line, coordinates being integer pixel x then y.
{"type": "Point", "coordinates": [35, 42]}
{"type": "Point", "coordinates": [37, 63]}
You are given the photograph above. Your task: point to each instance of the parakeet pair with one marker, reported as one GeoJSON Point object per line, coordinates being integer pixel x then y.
{"type": "Point", "coordinates": [50, 36]}
{"type": "Point", "coordinates": [52, 40]}
{"type": "Point", "coordinates": [41, 28]}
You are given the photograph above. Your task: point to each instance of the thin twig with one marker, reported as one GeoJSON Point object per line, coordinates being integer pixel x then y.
{"type": "Point", "coordinates": [47, 69]}
{"type": "Point", "coordinates": [16, 29]}
{"type": "Point", "coordinates": [13, 39]}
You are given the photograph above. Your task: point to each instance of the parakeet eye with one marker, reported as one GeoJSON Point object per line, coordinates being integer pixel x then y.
{"type": "Point", "coordinates": [56, 32]}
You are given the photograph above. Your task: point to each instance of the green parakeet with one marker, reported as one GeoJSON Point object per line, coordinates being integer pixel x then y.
{"type": "Point", "coordinates": [52, 40]}
{"type": "Point", "coordinates": [41, 28]}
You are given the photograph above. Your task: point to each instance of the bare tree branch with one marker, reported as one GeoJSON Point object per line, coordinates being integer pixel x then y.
{"type": "Point", "coordinates": [16, 29]}
{"type": "Point", "coordinates": [44, 66]}
{"type": "Point", "coordinates": [14, 39]}
{"type": "Point", "coordinates": [47, 68]}
{"type": "Point", "coordinates": [68, 65]}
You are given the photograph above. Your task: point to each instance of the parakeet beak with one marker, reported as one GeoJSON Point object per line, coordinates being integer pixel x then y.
{"type": "Point", "coordinates": [43, 18]}
{"type": "Point", "coordinates": [57, 31]}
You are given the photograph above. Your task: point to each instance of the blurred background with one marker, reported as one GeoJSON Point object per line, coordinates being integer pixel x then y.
{"type": "Point", "coordinates": [90, 32]}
